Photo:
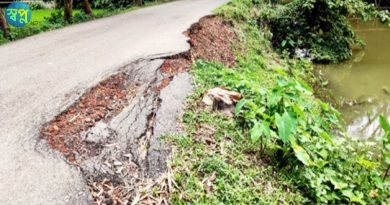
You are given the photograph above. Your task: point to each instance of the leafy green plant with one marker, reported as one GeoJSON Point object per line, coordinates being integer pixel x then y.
{"type": "Point", "coordinates": [80, 17]}
{"type": "Point", "coordinates": [300, 133]}
{"type": "Point", "coordinates": [318, 28]}
{"type": "Point", "coordinates": [296, 131]}
{"type": "Point", "coordinates": [56, 17]}
{"type": "Point", "coordinates": [36, 5]}
{"type": "Point", "coordinates": [386, 144]}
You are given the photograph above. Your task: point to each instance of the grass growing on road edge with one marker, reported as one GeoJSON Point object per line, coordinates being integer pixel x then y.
{"type": "Point", "coordinates": [215, 163]}
{"type": "Point", "coordinates": [281, 147]}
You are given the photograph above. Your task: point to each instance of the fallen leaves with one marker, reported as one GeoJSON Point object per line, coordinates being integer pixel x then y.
{"type": "Point", "coordinates": [155, 191]}
{"type": "Point", "coordinates": [208, 183]}
{"type": "Point", "coordinates": [105, 192]}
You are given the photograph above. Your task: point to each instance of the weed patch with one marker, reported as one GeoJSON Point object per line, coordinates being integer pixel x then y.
{"type": "Point", "coordinates": [284, 146]}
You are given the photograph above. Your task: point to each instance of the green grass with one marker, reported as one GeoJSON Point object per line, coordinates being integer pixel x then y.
{"type": "Point", "coordinates": [215, 146]}
{"type": "Point", "coordinates": [242, 176]}
{"type": "Point", "coordinates": [39, 17]}
{"type": "Point", "coordinates": [228, 160]}
{"type": "Point", "coordinates": [41, 14]}
{"type": "Point", "coordinates": [219, 145]}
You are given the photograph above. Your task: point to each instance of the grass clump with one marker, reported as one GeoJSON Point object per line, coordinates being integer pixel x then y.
{"type": "Point", "coordinates": [284, 146]}
{"type": "Point", "coordinates": [216, 164]}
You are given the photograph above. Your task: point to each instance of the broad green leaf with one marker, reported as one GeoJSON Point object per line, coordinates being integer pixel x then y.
{"type": "Point", "coordinates": [379, 182]}
{"type": "Point", "coordinates": [367, 163]}
{"type": "Point", "coordinates": [303, 87]}
{"type": "Point", "coordinates": [352, 197]}
{"type": "Point", "coordinates": [324, 135]}
{"type": "Point", "coordinates": [348, 193]}
{"type": "Point", "coordinates": [323, 153]}
{"type": "Point", "coordinates": [266, 130]}
{"type": "Point", "coordinates": [337, 183]}
{"type": "Point", "coordinates": [387, 147]}
{"type": "Point", "coordinates": [284, 42]}
{"type": "Point", "coordinates": [292, 96]}
{"type": "Point", "coordinates": [384, 123]}
{"type": "Point", "coordinates": [298, 110]}
{"type": "Point", "coordinates": [281, 71]}
{"type": "Point", "coordinates": [387, 158]}
{"type": "Point", "coordinates": [291, 42]}
{"type": "Point", "coordinates": [321, 163]}
{"type": "Point", "coordinates": [286, 125]}
{"type": "Point", "coordinates": [273, 98]}
{"type": "Point", "coordinates": [240, 105]}
{"type": "Point", "coordinates": [324, 106]}
{"type": "Point", "coordinates": [256, 132]}
{"type": "Point", "coordinates": [301, 154]}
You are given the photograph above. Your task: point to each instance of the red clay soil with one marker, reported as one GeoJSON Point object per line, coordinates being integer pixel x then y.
{"type": "Point", "coordinates": [211, 39]}
{"type": "Point", "coordinates": [101, 103]}
{"type": "Point", "coordinates": [174, 66]}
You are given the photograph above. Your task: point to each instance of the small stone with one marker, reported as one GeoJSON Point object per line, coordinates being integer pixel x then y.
{"type": "Point", "coordinates": [56, 128]}
{"type": "Point", "coordinates": [88, 119]}
{"type": "Point", "coordinates": [118, 163]}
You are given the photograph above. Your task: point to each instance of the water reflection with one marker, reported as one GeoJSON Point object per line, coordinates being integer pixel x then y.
{"type": "Point", "coordinates": [364, 81]}
{"type": "Point", "coordinates": [363, 120]}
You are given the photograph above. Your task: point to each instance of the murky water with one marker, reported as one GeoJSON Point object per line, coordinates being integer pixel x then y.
{"type": "Point", "coordinates": [364, 81]}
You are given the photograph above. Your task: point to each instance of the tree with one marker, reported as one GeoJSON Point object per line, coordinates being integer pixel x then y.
{"type": "Point", "coordinates": [87, 8]}
{"type": "Point", "coordinates": [3, 24]}
{"type": "Point", "coordinates": [68, 10]}
{"type": "Point", "coordinates": [137, 2]}
{"type": "Point", "coordinates": [319, 28]}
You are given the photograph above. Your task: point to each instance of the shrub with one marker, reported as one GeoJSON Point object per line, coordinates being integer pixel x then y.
{"type": "Point", "coordinates": [299, 132]}
{"type": "Point", "coordinates": [36, 5]}
{"type": "Point", "coordinates": [320, 28]}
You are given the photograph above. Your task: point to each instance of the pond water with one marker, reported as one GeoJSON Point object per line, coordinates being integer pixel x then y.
{"type": "Point", "coordinates": [363, 82]}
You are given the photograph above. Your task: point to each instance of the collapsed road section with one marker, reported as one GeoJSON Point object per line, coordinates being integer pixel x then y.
{"type": "Point", "coordinates": [113, 132]}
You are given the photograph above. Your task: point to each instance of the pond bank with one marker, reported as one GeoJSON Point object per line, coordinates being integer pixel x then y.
{"type": "Point", "coordinates": [279, 147]}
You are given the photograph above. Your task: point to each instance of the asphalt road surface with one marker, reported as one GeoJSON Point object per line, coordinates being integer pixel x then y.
{"type": "Point", "coordinates": [43, 74]}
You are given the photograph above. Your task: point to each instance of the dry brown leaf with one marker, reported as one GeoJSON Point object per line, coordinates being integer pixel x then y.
{"type": "Point", "coordinates": [208, 183]}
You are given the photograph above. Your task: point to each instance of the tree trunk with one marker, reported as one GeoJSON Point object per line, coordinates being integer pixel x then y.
{"type": "Point", "coordinates": [68, 11]}
{"type": "Point", "coordinates": [3, 24]}
{"type": "Point", "coordinates": [137, 2]}
{"type": "Point", "coordinates": [87, 8]}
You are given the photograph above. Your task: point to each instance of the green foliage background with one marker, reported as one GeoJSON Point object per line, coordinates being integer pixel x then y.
{"type": "Point", "coordinates": [321, 27]}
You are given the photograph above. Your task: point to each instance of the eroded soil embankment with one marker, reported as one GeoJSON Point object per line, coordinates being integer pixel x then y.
{"type": "Point", "coordinates": [113, 132]}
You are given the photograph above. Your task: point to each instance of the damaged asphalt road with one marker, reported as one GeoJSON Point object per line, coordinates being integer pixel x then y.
{"type": "Point", "coordinates": [124, 148]}
{"type": "Point", "coordinates": [42, 75]}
